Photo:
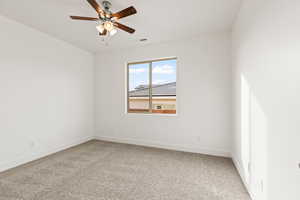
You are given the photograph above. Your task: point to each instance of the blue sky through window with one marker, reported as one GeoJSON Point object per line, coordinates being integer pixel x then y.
{"type": "Point", "coordinates": [162, 72]}
{"type": "Point", "coordinates": [138, 75]}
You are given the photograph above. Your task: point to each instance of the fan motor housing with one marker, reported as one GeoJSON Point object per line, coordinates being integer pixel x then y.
{"type": "Point", "coordinates": [106, 5]}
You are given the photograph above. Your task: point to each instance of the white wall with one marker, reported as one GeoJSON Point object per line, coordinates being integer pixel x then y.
{"type": "Point", "coordinates": [266, 53]}
{"type": "Point", "coordinates": [46, 94]}
{"type": "Point", "coordinates": [204, 97]}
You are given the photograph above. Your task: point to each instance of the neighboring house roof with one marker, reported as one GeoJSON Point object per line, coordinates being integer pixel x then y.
{"type": "Point", "coordinates": [168, 89]}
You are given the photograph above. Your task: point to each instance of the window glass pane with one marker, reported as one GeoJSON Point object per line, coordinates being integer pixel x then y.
{"type": "Point", "coordinates": [164, 86]}
{"type": "Point", "coordinates": [138, 87]}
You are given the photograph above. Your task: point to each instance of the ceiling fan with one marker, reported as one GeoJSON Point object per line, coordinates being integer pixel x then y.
{"type": "Point", "coordinates": [108, 21]}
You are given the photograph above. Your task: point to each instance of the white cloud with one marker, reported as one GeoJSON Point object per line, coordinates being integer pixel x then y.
{"type": "Point", "coordinates": [136, 71]}
{"type": "Point", "coordinates": [163, 69]}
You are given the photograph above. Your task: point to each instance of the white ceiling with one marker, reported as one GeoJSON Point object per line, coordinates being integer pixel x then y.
{"type": "Point", "coordinates": [156, 20]}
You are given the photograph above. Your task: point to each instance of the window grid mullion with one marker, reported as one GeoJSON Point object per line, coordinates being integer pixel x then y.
{"type": "Point", "coordinates": [150, 87]}
{"type": "Point", "coordinates": [128, 104]}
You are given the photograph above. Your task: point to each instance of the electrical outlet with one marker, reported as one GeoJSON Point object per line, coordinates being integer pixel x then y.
{"type": "Point", "coordinates": [199, 139]}
{"type": "Point", "coordinates": [31, 144]}
{"type": "Point", "coordinates": [249, 167]}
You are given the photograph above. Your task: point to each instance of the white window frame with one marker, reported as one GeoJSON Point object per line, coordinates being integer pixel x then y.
{"type": "Point", "coordinates": [150, 87]}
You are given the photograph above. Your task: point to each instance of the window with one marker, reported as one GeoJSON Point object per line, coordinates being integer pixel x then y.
{"type": "Point", "coordinates": [151, 86]}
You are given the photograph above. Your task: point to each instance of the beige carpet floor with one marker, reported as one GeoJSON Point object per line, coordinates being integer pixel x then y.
{"type": "Point", "coordinates": [100, 170]}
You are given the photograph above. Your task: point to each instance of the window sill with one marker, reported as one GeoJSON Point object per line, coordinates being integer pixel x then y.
{"type": "Point", "coordinates": [152, 114]}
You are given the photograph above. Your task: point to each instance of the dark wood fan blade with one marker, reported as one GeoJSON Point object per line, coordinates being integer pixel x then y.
{"type": "Point", "coordinates": [124, 13]}
{"type": "Point", "coordinates": [96, 6]}
{"type": "Point", "coordinates": [124, 28]}
{"type": "Point", "coordinates": [84, 18]}
{"type": "Point", "coordinates": [103, 33]}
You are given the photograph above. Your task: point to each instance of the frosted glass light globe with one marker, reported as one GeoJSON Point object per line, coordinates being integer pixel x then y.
{"type": "Point", "coordinates": [100, 28]}
{"type": "Point", "coordinates": [108, 26]}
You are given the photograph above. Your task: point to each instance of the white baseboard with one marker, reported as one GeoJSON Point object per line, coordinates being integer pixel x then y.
{"type": "Point", "coordinates": [220, 153]}
{"type": "Point", "coordinates": [34, 156]}
{"type": "Point", "coordinates": [37, 155]}
{"type": "Point", "coordinates": [241, 173]}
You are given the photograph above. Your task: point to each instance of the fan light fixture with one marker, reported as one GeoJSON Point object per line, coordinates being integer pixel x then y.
{"type": "Point", "coordinates": [108, 26]}
{"type": "Point", "coordinates": [100, 28]}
